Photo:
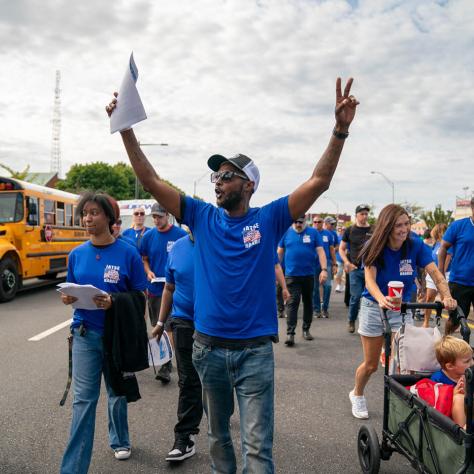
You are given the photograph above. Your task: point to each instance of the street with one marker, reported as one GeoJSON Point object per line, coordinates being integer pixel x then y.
{"type": "Point", "coordinates": [314, 429]}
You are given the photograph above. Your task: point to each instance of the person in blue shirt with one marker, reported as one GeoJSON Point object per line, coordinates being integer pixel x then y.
{"type": "Point", "coordinates": [301, 246]}
{"type": "Point", "coordinates": [328, 245]}
{"type": "Point", "coordinates": [178, 300]}
{"type": "Point", "coordinates": [234, 308]}
{"type": "Point", "coordinates": [391, 254]}
{"type": "Point", "coordinates": [460, 236]}
{"type": "Point", "coordinates": [113, 266]}
{"type": "Point", "coordinates": [138, 229]}
{"type": "Point", "coordinates": [155, 247]}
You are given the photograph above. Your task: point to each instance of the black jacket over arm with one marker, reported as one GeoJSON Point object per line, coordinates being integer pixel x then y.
{"type": "Point", "coordinates": [126, 342]}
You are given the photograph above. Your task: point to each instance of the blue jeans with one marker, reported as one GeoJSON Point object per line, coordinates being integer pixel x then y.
{"type": "Point", "coordinates": [326, 292]}
{"type": "Point", "coordinates": [357, 285]}
{"type": "Point", "coordinates": [250, 372]}
{"type": "Point", "coordinates": [87, 368]}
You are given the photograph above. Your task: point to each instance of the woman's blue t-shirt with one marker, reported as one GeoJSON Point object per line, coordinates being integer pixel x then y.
{"type": "Point", "coordinates": [180, 272]}
{"type": "Point", "coordinates": [398, 269]}
{"type": "Point", "coordinates": [115, 268]}
{"type": "Point", "coordinates": [234, 268]}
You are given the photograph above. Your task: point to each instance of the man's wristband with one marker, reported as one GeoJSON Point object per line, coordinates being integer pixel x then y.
{"type": "Point", "coordinates": [324, 270]}
{"type": "Point", "coordinates": [340, 135]}
{"type": "Point", "coordinates": [160, 323]}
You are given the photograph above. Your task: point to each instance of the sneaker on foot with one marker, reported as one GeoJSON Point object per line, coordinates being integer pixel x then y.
{"type": "Point", "coordinates": [325, 313]}
{"type": "Point", "coordinates": [317, 314]}
{"type": "Point", "coordinates": [338, 289]}
{"type": "Point", "coordinates": [182, 449]}
{"type": "Point", "coordinates": [281, 315]}
{"type": "Point", "coordinates": [359, 406]}
{"type": "Point", "coordinates": [122, 453]}
{"type": "Point", "coordinates": [307, 335]}
{"type": "Point", "coordinates": [351, 326]}
{"type": "Point", "coordinates": [290, 340]}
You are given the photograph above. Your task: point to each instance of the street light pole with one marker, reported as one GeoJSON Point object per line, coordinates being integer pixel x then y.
{"type": "Point", "coordinates": [196, 181]}
{"type": "Point", "coordinates": [388, 181]}
{"type": "Point", "coordinates": [335, 203]}
{"type": "Point", "coordinates": [136, 177]}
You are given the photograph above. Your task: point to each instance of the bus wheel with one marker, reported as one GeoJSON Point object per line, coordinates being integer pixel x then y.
{"type": "Point", "coordinates": [8, 279]}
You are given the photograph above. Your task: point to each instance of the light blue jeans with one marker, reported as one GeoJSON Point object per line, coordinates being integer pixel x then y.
{"type": "Point", "coordinates": [357, 285]}
{"type": "Point", "coordinates": [250, 372]}
{"type": "Point", "coordinates": [326, 292]}
{"type": "Point", "coordinates": [87, 369]}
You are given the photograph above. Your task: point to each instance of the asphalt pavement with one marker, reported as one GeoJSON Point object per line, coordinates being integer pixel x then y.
{"type": "Point", "coordinates": [314, 429]}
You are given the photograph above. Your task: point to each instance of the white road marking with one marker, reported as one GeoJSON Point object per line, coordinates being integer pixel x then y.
{"type": "Point", "coordinates": [48, 332]}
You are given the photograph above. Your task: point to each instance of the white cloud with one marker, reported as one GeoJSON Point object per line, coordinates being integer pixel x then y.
{"type": "Point", "coordinates": [251, 77]}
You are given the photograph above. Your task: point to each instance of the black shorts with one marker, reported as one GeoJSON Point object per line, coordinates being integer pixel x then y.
{"type": "Point", "coordinates": [464, 295]}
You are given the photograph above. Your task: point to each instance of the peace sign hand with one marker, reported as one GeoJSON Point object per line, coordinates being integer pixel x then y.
{"type": "Point", "coordinates": [345, 105]}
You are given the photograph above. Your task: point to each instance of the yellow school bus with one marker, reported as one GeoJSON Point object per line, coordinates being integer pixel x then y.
{"type": "Point", "coordinates": [38, 229]}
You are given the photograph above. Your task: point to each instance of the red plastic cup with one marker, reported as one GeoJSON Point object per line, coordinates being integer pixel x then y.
{"type": "Point", "coordinates": [395, 292]}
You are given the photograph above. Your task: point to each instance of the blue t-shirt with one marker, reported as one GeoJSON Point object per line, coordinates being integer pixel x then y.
{"type": "Point", "coordinates": [440, 377]}
{"type": "Point", "coordinates": [127, 240]}
{"type": "Point", "coordinates": [460, 234]}
{"type": "Point", "coordinates": [339, 240]}
{"type": "Point", "coordinates": [398, 269]}
{"type": "Point", "coordinates": [135, 236]}
{"type": "Point", "coordinates": [300, 251]}
{"type": "Point", "coordinates": [155, 246]}
{"type": "Point", "coordinates": [435, 252]}
{"type": "Point", "coordinates": [180, 272]}
{"type": "Point", "coordinates": [234, 271]}
{"type": "Point", "coordinates": [328, 241]}
{"type": "Point", "coordinates": [115, 268]}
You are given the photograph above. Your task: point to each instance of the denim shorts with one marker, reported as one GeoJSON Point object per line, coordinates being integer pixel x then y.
{"type": "Point", "coordinates": [370, 319]}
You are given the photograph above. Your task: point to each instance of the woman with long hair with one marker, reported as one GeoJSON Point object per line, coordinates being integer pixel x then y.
{"type": "Point", "coordinates": [391, 254]}
{"type": "Point", "coordinates": [437, 235]}
{"type": "Point", "coordinates": [113, 266]}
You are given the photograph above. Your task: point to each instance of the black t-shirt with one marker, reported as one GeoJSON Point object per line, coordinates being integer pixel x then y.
{"type": "Point", "coordinates": [356, 237]}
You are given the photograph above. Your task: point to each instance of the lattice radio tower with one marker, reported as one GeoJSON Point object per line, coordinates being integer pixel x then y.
{"type": "Point", "coordinates": [56, 136]}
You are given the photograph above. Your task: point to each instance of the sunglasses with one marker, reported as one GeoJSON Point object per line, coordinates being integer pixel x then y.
{"type": "Point", "coordinates": [317, 222]}
{"type": "Point", "coordinates": [157, 216]}
{"type": "Point", "coordinates": [299, 222]}
{"type": "Point", "coordinates": [138, 213]}
{"type": "Point", "coordinates": [226, 176]}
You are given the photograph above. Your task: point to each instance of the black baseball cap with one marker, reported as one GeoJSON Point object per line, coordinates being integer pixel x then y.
{"type": "Point", "coordinates": [242, 162]}
{"type": "Point", "coordinates": [362, 207]}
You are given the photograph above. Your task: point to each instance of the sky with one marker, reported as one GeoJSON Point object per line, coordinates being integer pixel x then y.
{"type": "Point", "coordinates": [252, 77]}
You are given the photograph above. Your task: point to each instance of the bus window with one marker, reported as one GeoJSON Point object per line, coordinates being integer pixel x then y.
{"type": "Point", "coordinates": [11, 207]}
{"type": "Point", "coordinates": [49, 214]}
{"type": "Point", "coordinates": [32, 206]}
{"type": "Point", "coordinates": [68, 215]}
{"type": "Point", "coordinates": [59, 213]}
{"type": "Point", "coordinates": [77, 218]}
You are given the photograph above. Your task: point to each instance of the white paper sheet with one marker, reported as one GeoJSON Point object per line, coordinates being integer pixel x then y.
{"type": "Point", "coordinates": [129, 109]}
{"type": "Point", "coordinates": [83, 293]}
{"type": "Point", "coordinates": [158, 280]}
{"type": "Point", "coordinates": [159, 353]}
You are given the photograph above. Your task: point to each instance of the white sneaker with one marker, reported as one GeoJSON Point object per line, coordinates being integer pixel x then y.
{"type": "Point", "coordinates": [122, 453]}
{"type": "Point", "coordinates": [338, 289]}
{"type": "Point", "coordinates": [359, 406]}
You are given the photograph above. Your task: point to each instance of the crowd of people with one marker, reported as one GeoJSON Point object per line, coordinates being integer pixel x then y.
{"type": "Point", "coordinates": [212, 287]}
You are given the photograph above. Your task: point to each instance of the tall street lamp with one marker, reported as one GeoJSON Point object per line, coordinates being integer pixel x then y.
{"type": "Point", "coordinates": [335, 203]}
{"type": "Point", "coordinates": [196, 181]}
{"type": "Point", "coordinates": [136, 177]}
{"type": "Point", "coordinates": [388, 181]}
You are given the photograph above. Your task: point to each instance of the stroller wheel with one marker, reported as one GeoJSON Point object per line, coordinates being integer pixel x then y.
{"type": "Point", "coordinates": [368, 449]}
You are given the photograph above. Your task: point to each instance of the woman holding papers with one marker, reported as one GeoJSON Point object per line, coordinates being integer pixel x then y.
{"type": "Point", "coordinates": [113, 266]}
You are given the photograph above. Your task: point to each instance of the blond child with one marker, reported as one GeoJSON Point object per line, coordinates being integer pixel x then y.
{"type": "Point", "coordinates": [455, 356]}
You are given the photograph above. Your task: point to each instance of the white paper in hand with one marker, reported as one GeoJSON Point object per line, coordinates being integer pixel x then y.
{"type": "Point", "coordinates": [129, 109]}
{"type": "Point", "coordinates": [159, 353]}
{"type": "Point", "coordinates": [83, 293]}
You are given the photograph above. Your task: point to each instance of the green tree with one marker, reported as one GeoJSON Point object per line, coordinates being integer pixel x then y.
{"type": "Point", "coordinates": [17, 174]}
{"type": "Point", "coordinates": [413, 209]}
{"type": "Point", "coordinates": [117, 180]}
{"type": "Point", "coordinates": [438, 216]}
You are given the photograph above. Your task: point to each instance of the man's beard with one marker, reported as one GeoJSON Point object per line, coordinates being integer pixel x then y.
{"type": "Point", "coordinates": [232, 201]}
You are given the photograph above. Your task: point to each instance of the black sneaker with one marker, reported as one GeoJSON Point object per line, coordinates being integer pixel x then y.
{"type": "Point", "coordinates": [325, 313]}
{"type": "Point", "coordinates": [182, 449]}
{"type": "Point", "coordinates": [317, 314]}
{"type": "Point", "coordinates": [290, 340]}
{"type": "Point", "coordinates": [164, 374]}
